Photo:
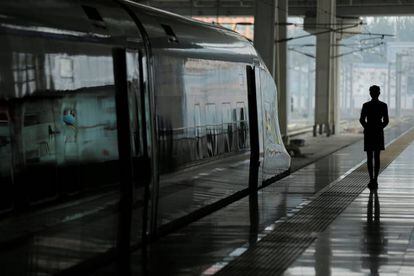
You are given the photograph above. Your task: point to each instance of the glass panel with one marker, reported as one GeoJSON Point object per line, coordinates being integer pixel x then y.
{"type": "Point", "coordinates": [198, 132]}
{"type": "Point", "coordinates": [202, 133]}
{"type": "Point", "coordinates": [211, 129]}
{"type": "Point", "coordinates": [242, 122]}
{"type": "Point", "coordinates": [227, 127]}
{"type": "Point", "coordinates": [58, 152]}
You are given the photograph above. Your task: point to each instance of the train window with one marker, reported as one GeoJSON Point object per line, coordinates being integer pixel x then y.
{"type": "Point", "coordinates": [198, 132]}
{"type": "Point", "coordinates": [226, 116]}
{"type": "Point", "coordinates": [242, 124]}
{"type": "Point", "coordinates": [240, 112]}
{"type": "Point", "coordinates": [211, 129]}
{"type": "Point", "coordinates": [197, 115]}
{"type": "Point", "coordinates": [227, 126]}
{"type": "Point", "coordinates": [197, 120]}
{"type": "Point", "coordinates": [61, 138]}
{"type": "Point", "coordinates": [211, 115]}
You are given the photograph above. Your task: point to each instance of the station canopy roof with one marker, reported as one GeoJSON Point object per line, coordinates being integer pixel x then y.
{"type": "Point", "coordinates": [296, 7]}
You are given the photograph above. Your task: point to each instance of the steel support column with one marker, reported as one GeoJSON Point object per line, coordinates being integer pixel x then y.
{"type": "Point", "coordinates": [268, 14]}
{"type": "Point", "coordinates": [325, 88]}
{"type": "Point", "coordinates": [265, 32]}
{"type": "Point", "coordinates": [334, 99]}
{"type": "Point", "coordinates": [281, 67]}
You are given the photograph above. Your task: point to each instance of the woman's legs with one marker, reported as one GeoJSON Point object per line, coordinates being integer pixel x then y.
{"type": "Point", "coordinates": [376, 164]}
{"type": "Point", "coordinates": [369, 164]}
{"type": "Point", "coordinates": [373, 164]}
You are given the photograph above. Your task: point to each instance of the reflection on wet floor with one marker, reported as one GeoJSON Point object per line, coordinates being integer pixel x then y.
{"type": "Point", "coordinates": [275, 252]}
{"type": "Point", "coordinates": [374, 236]}
{"type": "Point", "coordinates": [49, 242]}
{"type": "Point", "coordinates": [207, 245]}
{"type": "Point", "coordinates": [373, 242]}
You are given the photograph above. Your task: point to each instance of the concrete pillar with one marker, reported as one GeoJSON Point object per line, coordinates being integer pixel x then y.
{"type": "Point", "coordinates": [265, 32]}
{"type": "Point", "coordinates": [324, 102]}
{"type": "Point", "coordinates": [281, 67]}
{"type": "Point", "coordinates": [274, 54]}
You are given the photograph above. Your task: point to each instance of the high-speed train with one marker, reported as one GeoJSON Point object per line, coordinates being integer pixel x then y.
{"type": "Point", "coordinates": [66, 67]}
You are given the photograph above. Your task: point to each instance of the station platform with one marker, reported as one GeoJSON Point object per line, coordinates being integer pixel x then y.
{"type": "Point", "coordinates": [58, 239]}
{"type": "Point", "coordinates": [320, 220]}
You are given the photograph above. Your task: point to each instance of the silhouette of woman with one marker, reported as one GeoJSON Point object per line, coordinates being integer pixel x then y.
{"type": "Point", "coordinates": [374, 117]}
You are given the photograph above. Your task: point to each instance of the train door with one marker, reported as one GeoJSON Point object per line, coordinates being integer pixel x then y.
{"type": "Point", "coordinates": [253, 127]}
{"type": "Point", "coordinates": [260, 121]}
{"type": "Point", "coordinates": [138, 105]}
{"type": "Point", "coordinates": [241, 118]}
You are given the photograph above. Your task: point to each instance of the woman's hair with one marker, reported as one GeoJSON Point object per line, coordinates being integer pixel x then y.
{"type": "Point", "coordinates": [374, 91]}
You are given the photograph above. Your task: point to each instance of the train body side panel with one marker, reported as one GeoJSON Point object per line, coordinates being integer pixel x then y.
{"type": "Point", "coordinates": [200, 89]}
{"type": "Point", "coordinates": [202, 130]}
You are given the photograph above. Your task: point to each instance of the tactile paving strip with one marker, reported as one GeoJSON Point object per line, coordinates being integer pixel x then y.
{"type": "Point", "coordinates": [276, 251]}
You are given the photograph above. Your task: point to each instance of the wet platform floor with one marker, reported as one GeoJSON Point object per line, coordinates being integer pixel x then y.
{"type": "Point", "coordinates": [374, 235]}
{"type": "Point", "coordinates": [214, 244]}
{"type": "Point", "coordinates": [49, 241]}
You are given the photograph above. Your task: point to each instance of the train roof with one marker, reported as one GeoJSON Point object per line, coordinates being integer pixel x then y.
{"type": "Point", "coordinates": [178, 35]}
{"type": "Point", "coordinates": [109, 22]}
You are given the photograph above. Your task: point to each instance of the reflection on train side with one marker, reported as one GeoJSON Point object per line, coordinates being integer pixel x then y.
{"type": "Point", "coordinates": [59, 160]}
{"type": "Point", "coordinates": [66, 139]}
{"type": "Point", "coordinates": [204, 140]}
{"type": "Point", "coordinates": [54, 71]}
{"type": "Point", "coordinates": [202, 116]}
{"type": "Point", "coordinates": [203, 113]}
{"type": "Point", "coordinates": [58, 132]}
{"type": "Point", "coordinates": [201, 108]}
